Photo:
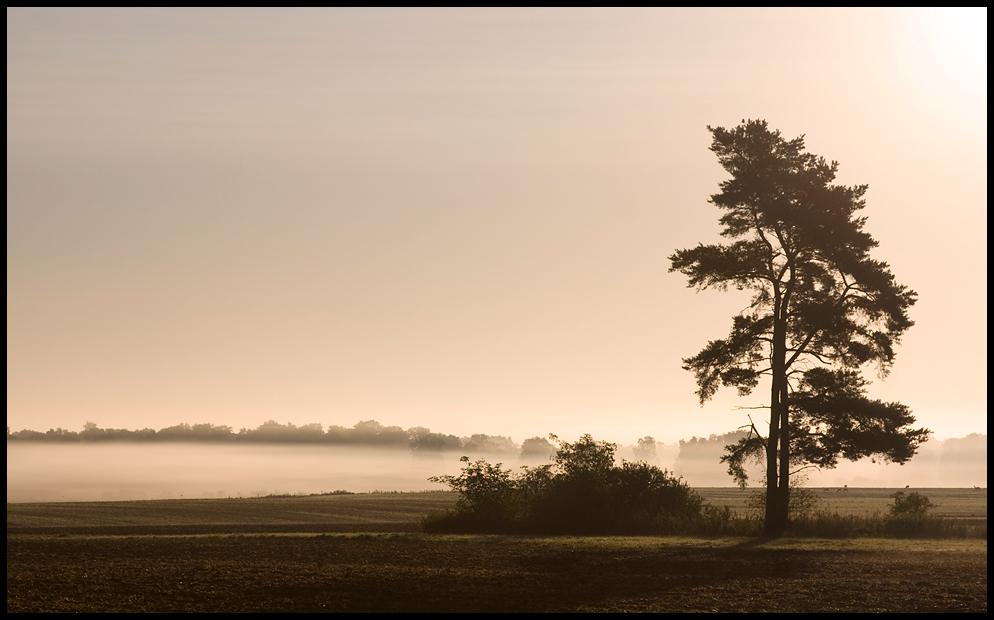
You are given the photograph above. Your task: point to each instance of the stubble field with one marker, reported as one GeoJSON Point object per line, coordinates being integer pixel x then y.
{"type": "Point", "coordinates": [363, 553]}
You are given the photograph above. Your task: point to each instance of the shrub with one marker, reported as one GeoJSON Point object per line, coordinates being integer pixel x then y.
{"type": "Point", "coordinates": [537, 448]}
{"type": "Point", "coordinates": [581, 492]}
{"type": "Point", "coordinates": [575, 497]}
{"type": "Point", "coordinates": [647, 499]}
{"type": "Point", "coordinates": [913, 503]}
{"type": "Point", "coordinates": [486, 492]}
{"type": "Point", "coordinates": [910, 517]}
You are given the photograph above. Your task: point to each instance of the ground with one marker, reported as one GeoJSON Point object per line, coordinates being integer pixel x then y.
{"type": "Point", "coordinates": [296, 554]}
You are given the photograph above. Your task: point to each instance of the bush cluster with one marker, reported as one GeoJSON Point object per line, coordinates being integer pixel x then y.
{"type": "Point", "coordinates": [581, 491]}
{"type": "Point", "coordinates": [913, 504]}
{"type": "Point", "coordinates": [911, 517]}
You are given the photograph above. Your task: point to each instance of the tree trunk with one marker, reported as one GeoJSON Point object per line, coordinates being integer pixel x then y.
{"type": "Point", "coordinates": [772, 494]}
{"type": "Point", "coordinates": [777, 454]}
{"type": "Point", "coordinates": [783, 506]}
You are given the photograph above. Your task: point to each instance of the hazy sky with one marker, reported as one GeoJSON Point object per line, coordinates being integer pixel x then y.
{"type": "Point", "coordinates": [457, 218]}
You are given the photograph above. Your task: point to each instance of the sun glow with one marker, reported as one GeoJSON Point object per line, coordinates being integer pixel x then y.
{"type": "Point", "coordinates": [957, 40]}
{"type": "Point", "coordinates": [944, 56]}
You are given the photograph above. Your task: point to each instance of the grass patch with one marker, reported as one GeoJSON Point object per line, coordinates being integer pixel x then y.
{"type": "Point", "coordinates": [825, 524]}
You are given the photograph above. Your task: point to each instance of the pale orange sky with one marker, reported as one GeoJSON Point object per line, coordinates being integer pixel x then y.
{"type": "Point", "coordinates": [456, 218]}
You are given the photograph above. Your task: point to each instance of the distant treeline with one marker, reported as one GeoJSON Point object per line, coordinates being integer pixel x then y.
{"type": "Point", "coordinates": [367, 433]}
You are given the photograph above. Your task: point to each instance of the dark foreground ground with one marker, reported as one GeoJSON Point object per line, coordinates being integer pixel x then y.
{"type": "Point", "coordinates": [163, 556]}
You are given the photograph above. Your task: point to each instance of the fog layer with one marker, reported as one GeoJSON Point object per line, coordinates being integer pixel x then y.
{"type": "Point", "coordinates": [129, 471]}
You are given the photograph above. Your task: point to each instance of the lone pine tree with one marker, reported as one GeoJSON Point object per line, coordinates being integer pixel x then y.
{"type": "Point", "coordinates": [821, 310]}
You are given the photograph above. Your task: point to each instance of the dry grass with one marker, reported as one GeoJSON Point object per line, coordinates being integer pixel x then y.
{"type": "Point", "coordinates": [950, 503]}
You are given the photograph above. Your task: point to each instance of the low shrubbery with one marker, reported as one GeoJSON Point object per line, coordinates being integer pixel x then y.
{"type": "Point", "coordinates": [910, 516]}
{"type": "Point", "coordinates": [581, 492]}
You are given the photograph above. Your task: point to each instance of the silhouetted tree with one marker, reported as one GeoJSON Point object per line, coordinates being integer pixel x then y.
{"type": "Point", "coordinates": [92, 432]}
{"type": "Point", "coordinates": [819, 301]}
{"type": "Point", "coordinates": [489, 444]}
{"type": "Point", "coordinates": [60, 434]}
{"type": "Point", "coordinates": [368, 432]}
{"type": "Point", "coordinates": [177, 432]}
{"type": "Point", "coordinates": [537, 448]}
{"type": "Point", "coordinates": [698, 457]}
{"type": "Point", "coordinates": [272, 431]}
{"type": "Point", "coordinates": [646, 449]}
{"type": "Point", "coordinates": [423, 442]}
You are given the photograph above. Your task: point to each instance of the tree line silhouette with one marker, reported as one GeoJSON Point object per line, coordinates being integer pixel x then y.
{"type": "Point", "coordinates": [369, 433]}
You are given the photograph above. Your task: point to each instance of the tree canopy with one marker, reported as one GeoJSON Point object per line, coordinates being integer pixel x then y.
{"type": "Point", "coordinates": [821, 309]}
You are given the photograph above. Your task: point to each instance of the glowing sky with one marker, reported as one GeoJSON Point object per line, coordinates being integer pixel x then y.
{"type": "Point", "coordinates": [456, 218]}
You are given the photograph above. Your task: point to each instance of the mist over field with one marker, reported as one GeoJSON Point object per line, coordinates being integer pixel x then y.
{"type": "Point", "coordinates": [45, 472]}
{"type": "Point", "coordinates": [139, 471]}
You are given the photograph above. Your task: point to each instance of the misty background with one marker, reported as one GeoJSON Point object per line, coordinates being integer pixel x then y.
{"type": "Point", "coordinates": [451, 218]}
{"type": "Point", "coordinates": [203, 461]}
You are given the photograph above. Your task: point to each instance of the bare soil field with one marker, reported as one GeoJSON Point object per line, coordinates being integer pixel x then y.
{"type": "Point", "coordinates": [362, 512]}
{"type": "Point", "coordinates": [363, 553]}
